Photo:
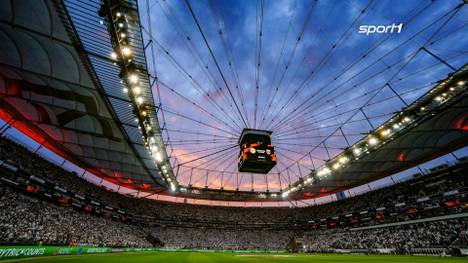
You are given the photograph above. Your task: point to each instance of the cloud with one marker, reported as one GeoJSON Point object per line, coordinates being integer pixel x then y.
{"type": "Point", "coordinates": [338, 79]}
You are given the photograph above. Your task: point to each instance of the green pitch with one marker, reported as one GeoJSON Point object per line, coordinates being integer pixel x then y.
{"type": "Point", "coordinates": [196, 257]}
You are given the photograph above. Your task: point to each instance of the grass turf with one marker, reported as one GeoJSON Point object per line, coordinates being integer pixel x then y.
{"type": "Point", "coordinates": [195, 257]}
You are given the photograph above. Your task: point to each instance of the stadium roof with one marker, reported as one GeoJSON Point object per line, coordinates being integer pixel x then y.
{"type": "Point", "coordinates": [64, 90]}
{"type": "Point", "coordinates": [208, 69]}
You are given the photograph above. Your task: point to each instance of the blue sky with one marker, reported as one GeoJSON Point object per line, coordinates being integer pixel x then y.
{"type": "Point", "coordinates": [321, 89]}
{"type": "Point", "coordinates": [327, 80]}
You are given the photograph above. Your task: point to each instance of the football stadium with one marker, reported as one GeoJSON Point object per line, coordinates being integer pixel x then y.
{"type": "Point", "coordinates": [233, 131]}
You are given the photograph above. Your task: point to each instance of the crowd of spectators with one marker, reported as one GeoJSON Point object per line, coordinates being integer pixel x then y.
{"type": "Point", "coordinates": [220, 238]}
{"type": "Point", "coordinates": [401, 238]}
{"type": "Point", "coordinates": [25, 218]}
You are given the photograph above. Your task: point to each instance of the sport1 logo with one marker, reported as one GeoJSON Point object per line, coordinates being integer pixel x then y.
{"type": "Point", "coordinates": [381, 29]}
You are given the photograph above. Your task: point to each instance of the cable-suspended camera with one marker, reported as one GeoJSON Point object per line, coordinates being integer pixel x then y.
{"type": "Point", "coordinates": [257, 154]}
